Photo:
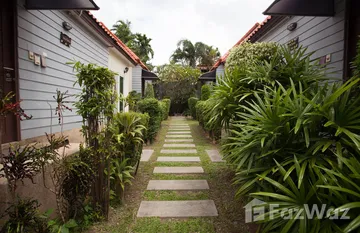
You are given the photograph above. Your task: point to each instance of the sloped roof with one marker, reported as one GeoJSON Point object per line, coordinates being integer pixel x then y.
{"type": "Point", "coordinates": [121, 45]}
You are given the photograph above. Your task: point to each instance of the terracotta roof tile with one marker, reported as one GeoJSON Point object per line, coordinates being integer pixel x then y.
{"type": "Point", "coordinates": [126, 49]}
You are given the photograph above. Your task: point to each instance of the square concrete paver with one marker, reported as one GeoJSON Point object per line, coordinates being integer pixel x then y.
{"type": "Point", "coordinates": [178, 170]}
{"type": "Point", "coordinates": [178, 124]}
{"type": "Point", "coordinates": [177, 209]}
{"type": "Point", "coordinates": [179, 132]}
{"type": "Point", "coordinates": [146, 154]}
{"type": "Point", "coordinates": [179, 136]}
{"type": "Point", "coordinates": [178, 159]}
{"type": "Point", "coordinates": [179, 140]}
{"type": "Point", "coordinates": [215, 156]}
{"type": "Point", "coordinates": [178, 185]}
{"type": "Point", "coordinates": [179, 145]}
{"type": "Point", "coordinates": [178, 151]}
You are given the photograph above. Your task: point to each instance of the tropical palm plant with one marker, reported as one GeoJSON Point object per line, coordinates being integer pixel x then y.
{"type": "Point", "coordinates": [190, 54]}
{"type": "Point", "coordinates": [122, 29]}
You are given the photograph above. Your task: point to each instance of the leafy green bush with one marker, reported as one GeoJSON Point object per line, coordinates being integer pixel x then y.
{"type": "Point", "coordinates": [165, 108]}
{"type": "Point", "coordinates": [248, 53]}
{"type": "Point", "coordinates": [303, 146]}
{"type": "Point", "coordinates": [149, 91]}
{"type": "Point", "coordinates": [237, 87]}
{"type": "Point", "coordinates": [192, 101]}
{"type": "Point", "coordinates": [132, 99]}
{"type": "Point", "coordinates": [153, 108]}
{"type": "Point", "coordinates": [205, 92]}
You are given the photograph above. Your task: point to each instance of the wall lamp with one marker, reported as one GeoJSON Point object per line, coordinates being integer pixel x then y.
{"type": "Point", "coordinates": [292, 27]}
{"type": "Point", "coordinates": [126, 70]}
{"type": "Point", "coordinates": [67, 26]}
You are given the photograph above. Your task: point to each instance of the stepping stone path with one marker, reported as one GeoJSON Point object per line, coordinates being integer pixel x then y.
{"type": "Point", "coordinates": [179, 145]}
{"type": "Point", "coordinates": [179, 136]}
{"type": "Point", "coordinates": [215, 156]}
{"type": "Point", "coordinates": [145, 155]}
{"type": "Point", "coordinates": [177, 151]}
{"type": "Point", "coordinates": [178, 159]}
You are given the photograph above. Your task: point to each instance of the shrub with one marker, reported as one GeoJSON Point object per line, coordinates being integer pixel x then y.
{"type": "Point", "coordinates": [165, 108]}
{"type": "Point", "coordinates": [153, 108]}
{"type": "Point", "coordinates": [236, 87]}
{"type": "Point", "coordinates": [205, 92]}
{"type": "Point", "coordinates": [247, 53]}
{"type": "Point", "coordinates": [192, 101]}
{"type": "Point", "coordinates": [149, 91]}
{"type": "Point", "coordinates": [303, 145]}
{"type": "Point", "coordinates": [132, 99]}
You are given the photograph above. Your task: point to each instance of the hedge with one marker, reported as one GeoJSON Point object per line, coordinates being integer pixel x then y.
{"type": "Point", "coordinates": [205, 92]}
{"type": "Point", "coordinates": [149, 91]}
{"type": "Point", "coordinates": [165, 107]}
{"type": "Point", "coordinates": [192, 106]}
{"type": "Point", "coordinates": [153, 108]}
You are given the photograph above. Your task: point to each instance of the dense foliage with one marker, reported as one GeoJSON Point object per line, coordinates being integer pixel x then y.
{"type": "Point", "coordinates": [198, 54]}
{"type": "Point", "coordinates": [137, 42]}
{"type": "Point", "coordinates": [192, 101]}
{"type": "Point", "coordinates": [149, 91]}
{"type": "Point", "coordinates": [152, 107]}
{"type": "Point", "coordinates": [205, 92]}
{"type": "Point", "coordinates": [292, 138]}
{"type": "Point", "coordinates": [179, 83]}
{"type": "Point", "coordinates": [248, 53]}
{"type": "Point", "coordinates": [165, 108]}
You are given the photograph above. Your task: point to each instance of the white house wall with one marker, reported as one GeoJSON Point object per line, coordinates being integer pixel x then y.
{"type": "Point", "coordinates": [39, 32]}
{"type": "Point", "coordinates": [321, 35]}
{"type": "Point", "coordinates": [118, 63]}
{"type": "Point", "coordinates": [220, 71]}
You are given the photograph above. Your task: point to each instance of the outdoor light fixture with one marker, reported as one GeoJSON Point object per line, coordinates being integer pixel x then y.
{"type": "Point", "coordinates": [67, 26]}
{"type": "Point", "coordinates": [126, 70]}
{"type": "Point", "coordinates": [292, 27]}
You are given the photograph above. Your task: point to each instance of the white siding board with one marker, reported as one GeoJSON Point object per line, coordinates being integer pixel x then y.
{"type": "Point", "coordinates": [48, 25]}
{"type": "Point", "coordinates": [320, 35]}
{"type": "Point", "coordinates": [220, 71]}
{"type": "Point", "coordinates": [29, 133]}
{"type": "Point", "coordinates": [39, 32]}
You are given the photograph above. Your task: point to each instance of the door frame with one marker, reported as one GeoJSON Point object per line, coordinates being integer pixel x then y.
{"type": "Point", "coordinates": [16, 65]}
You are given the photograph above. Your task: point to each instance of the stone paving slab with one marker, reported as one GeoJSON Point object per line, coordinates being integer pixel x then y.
{"type": "Point", "coordinates": [179, 136]}
{"type": "Point", "coordinates": [178, 159]}
{"type": "Point", "coordinates": [146, 154]}
{"type": "Point", "coordinates": [177, 209]}
{"type": "Point", "coordinates": [178, 129]}
{"type": "Point", "coordinates": [178, 145]}
{"type": "Point", "coordinates": [178, 151]}
{"type": "Point", "coordinates": [179, 140]}
{"type": "Point", "coordinates": [178, 185]}
{"type": "Point", "coordinates": [178, 170]}
{"type": "Point", "coordinates": [179, 132]}
{"type": "Point", "coordinates": [178, 124]}
{"type": "Point", "coordinates": [215, 156]}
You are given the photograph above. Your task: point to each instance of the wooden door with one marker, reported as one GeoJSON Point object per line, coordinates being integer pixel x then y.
{"type": "Point", "coordinates": [7, 64]}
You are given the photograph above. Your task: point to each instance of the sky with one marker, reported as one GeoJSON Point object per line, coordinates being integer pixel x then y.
{"type": "Point", "coordinates": [220, 23]}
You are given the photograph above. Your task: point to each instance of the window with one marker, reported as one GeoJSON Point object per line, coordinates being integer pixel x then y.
{"type": "Point", "coordinates": [121, 91]}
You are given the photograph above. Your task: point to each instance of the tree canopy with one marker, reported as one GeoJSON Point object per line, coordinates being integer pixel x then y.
{"type": "Point", "coordinates": [137, 42]}
{"type": "Point", "coordinates": [190, 54]}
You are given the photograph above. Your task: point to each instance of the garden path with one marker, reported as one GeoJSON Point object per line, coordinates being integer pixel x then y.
{"type": "Point", "coordinates": [197, 184]}
{"type": "Point", "coordinates": [183, 208]}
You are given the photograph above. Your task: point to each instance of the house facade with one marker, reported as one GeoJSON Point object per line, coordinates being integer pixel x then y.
{"type": "Point", "coordinates": [36, 45]}
{"type": "Point", "coordinates": [329, 33]}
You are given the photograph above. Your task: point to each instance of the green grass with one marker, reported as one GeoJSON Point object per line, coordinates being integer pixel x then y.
{"type": "Point", "coordinates": [175, 195]}
{"type": "Point", "coordinates": [155, 225]}
{"type": "Point", "coordinates": [179, 177]}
